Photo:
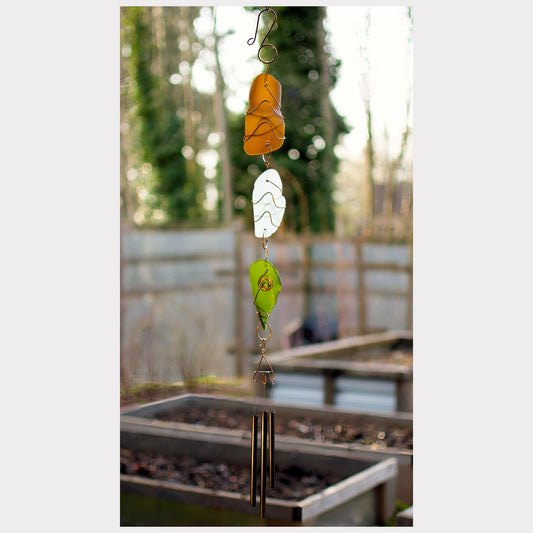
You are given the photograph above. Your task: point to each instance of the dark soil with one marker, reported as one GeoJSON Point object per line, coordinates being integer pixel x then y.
{"type": "Point", "coordinates": [369, 435]}
{"type": "Point", "coordinates": [291, 483]}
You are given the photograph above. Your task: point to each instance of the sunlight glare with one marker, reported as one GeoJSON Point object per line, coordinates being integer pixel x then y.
{"type": "Point", "coordinates": [132, 174]}
{"type": "Point", "coordinates": [187, 152]}
{"type": "Point", "coordinates": [175, 79]}
{"type": "Point", "coordinates": [215, 138]}
{"type": "Point", "coordinates": [207, 158]}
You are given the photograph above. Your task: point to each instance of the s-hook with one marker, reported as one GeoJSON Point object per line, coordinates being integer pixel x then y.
{"type": "Point", "coordinates": [251, 40]}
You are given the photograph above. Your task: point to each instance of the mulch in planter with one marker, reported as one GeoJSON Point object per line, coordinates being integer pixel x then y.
{"type": "Point", "coordinates": [293, 483]}
{"type": "Point", "coordinates": [376, 436]}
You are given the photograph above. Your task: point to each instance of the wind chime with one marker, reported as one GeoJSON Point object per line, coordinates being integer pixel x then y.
{"type": "Point", "coordinates": [264, 132]}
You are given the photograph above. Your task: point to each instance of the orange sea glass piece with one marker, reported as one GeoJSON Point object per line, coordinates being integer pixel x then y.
{"type": "Point", "coordinates": [264, 124]}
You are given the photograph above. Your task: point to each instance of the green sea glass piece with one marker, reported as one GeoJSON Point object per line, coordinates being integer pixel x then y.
{"type": "Point", "coordinates": [266, 284]}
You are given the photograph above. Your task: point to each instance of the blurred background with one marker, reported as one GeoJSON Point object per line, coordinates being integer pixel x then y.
{"type": "Point", "coordinates": [344, 250]}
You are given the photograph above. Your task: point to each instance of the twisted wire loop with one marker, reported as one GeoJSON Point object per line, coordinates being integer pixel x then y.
{"type": "Point", "coordinates": [265, 375]}
{"type": "Point", "coordinates": [251, 40]}
{"type": "Point", "coordinates": [264, 244]}
{"type": "Point", "coordinates": [267, 161]}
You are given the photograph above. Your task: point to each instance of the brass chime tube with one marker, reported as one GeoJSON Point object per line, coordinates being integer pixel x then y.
{"type": "Point", "coordinates": [264, 458]}
{"type": "Point", "coordinates": [253, 462]}
{"type": "Point", "coordinates": [271, 465]}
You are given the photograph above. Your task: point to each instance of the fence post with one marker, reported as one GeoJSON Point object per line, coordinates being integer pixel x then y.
{"type": "Point", "coordinates": [361, 291]}
{"type": "Point", "coordinates": [409, 321]}
{"type": "Point", "coordinates": [339, 289]}
{"type": "Point", "coordinates": [307, 287]}
{"type": "Point", "coordinates": [404, 395]}
{"type": "Point", "coordinates": [329, 386]}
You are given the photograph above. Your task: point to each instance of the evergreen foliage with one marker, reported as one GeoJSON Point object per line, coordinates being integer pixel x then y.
{"type": "Point", "coordinates": [161, 132]}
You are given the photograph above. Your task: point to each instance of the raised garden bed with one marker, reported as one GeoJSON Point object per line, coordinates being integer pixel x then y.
{"type": "Point", "coordinates": [366, 432]}
{"type": "Point", "coordinates": [375, 436]}
{"type": "Point", "coordinates": [206, 473]}
{"type": "Point", "coordinates": [380, 357]}
{"type": "Point", "coordinates": [291, 483]}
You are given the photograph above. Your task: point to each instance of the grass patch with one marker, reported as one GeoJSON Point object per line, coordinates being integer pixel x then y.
{"type": "Point", "coordinates": [151, 392]}
{"type": "Point", "coordinates": [399, 507]}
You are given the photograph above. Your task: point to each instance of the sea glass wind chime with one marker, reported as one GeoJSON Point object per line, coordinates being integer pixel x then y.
{"type": "Point", "coordinates": [264, 132]}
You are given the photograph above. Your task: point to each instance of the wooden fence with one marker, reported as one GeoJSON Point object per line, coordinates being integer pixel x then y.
{"type": "Point", "coordinates": [186, 305]}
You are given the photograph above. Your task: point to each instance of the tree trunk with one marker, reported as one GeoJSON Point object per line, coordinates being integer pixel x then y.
{"type": "Point", "coordinates": [396, 164]}
{"type": "Point", "coordinates": [188, 101]}
{"type": "Point", "coordinates": [370, 162]}
{"type": "Point", "coordinates": [221, 126]}
{"type": "Point", "coordinates": [369, 151]}
{"type": "Point", "coordinates": [325, 86]}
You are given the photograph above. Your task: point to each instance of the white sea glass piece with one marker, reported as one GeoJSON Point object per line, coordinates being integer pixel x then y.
{"type": "Point", "coordinates": [269, 203]}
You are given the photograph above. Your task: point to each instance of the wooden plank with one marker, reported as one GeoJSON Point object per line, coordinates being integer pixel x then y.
{"type": "Point", "coordinates": [217, 499]}
{"type": "Point", "coordinates": [183, 242]}
{"type": "Point", "coordinates": [332, 265]}
{"type": "Point", "coordinates": [387, 266]}
{"type": "Point", "coordinates": [212, 401]}
{"type": "Point", "coordinates": [236, 436]}
{"type": "Point", "coordinates": [296, 266]}
{"type": "Point", "coordinates": [361, 289]}
{"type": "Point", "coordinates": [350, 488]}
{"type": "Point", "coordinates": [387, 293]}
{"type": "Point", "coordinates": [339, 347]}
{"type": "Point", "coordinates": [192, 287]}
{"type": "Point", "coordinates": [206, 256]}
{"type": "Point", "coordinates": [369, 370]}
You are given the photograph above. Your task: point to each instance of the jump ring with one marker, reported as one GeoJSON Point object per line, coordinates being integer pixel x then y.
{"type": "Point", "coordinates": [263, 339]}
